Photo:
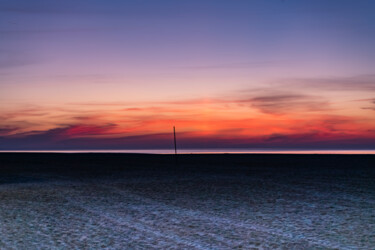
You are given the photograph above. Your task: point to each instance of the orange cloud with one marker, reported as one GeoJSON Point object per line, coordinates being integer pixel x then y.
{"type": "Point", "coordinates": [267, 118]}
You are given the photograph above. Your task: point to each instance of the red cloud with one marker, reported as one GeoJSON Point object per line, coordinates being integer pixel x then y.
{"type": "Point", "coordinates": [84, 130]}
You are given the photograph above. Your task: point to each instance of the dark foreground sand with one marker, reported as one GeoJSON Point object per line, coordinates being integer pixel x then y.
{"type": "Point", "coordinates": [122, 201]}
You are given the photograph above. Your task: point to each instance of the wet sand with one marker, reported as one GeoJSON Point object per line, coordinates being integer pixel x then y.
{"type": "Point", "coordinates": [195, 201]}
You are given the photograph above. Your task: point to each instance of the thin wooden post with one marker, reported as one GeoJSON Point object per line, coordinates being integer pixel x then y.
{"type": "Point", "coordinates": [174, 135]}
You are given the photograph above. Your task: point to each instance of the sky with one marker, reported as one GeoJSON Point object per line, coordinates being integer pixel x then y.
{"type": "Point", "coordinates": [111, 74]}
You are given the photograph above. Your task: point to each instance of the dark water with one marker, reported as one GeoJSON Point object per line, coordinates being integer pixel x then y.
{"type": "Point", "coordinates": [204, 151]}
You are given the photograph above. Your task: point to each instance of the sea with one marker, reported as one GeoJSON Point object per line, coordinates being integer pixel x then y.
{"type": "Point", "coordinates": [200, 151]}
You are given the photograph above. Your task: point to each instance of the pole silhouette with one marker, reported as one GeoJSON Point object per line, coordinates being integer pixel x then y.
{"type": "Point", "coordinates": [174, 135]}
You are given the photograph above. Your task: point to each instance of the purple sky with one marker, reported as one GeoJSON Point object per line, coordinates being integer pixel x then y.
{"type": "Point", "coordinates": [120, 74]}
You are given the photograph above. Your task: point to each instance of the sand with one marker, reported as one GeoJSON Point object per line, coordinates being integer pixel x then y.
{"type": "Point", "coordinates": [89, 201]}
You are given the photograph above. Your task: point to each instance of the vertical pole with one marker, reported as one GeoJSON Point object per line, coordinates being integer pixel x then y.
{"type": "Point", "coordinates": [174, 135]}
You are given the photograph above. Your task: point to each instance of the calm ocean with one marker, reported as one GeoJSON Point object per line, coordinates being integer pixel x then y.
{"type": "Point", "coordinates": [204, 151]}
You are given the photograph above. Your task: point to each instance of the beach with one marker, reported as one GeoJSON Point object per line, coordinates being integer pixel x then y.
{"type": "Point", "coordinates": [216, 201]}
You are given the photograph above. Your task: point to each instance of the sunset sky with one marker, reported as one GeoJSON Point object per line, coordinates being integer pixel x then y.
{"type": "Point", "coordinates": [114, 74]}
